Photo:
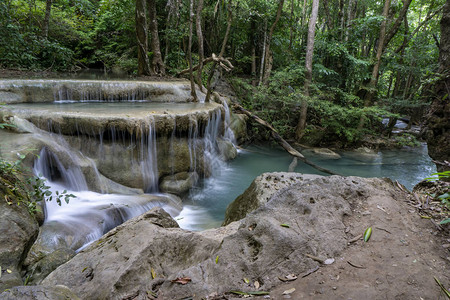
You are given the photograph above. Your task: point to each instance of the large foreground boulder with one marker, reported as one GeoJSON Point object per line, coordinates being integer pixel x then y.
{"type": "Point", "coordinates": [149, 256]}
{"type": "Point", "coordinates": [37, 292]}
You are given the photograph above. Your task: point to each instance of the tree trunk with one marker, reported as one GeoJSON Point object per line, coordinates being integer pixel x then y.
{"type": "Point", "coordinates": [157, 65]}
{"type": "Point", "coordinates": [263, 54]}
{"type": "Point", "coordinates": [267, 61]}
{"type": "Point", "coordinates": [308, 66]}
{"type": "Point", "coordinates": [222, 51]}
{"type": "Point", "coordinates": [253, 42]}
{"type": "Point", "coordinates": [376, 68]}
{"type": "Point", "coordinates": [438, 122]}
{"type": "Point", "coordinates": [191, 73]}
{"type": "Point", "coordinates": [141, 36]}
{"type": "Point", "coordinates": [201, 51]}
{"type": "Point", "coordinates": [349, 19]}
{"type": "Point", "coordinates": [291, 25]}
{"type": "Point", "coordinates": [48, 10]}
{"type": "Point", "coordinates": [383, 42]}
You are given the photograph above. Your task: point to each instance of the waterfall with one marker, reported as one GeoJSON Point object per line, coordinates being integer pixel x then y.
{"type": "Point", "coordinates": [110, 144]}
{"type": "Point", "coordinates": [49, 166]}
{"type": "Point", "coordinates": [149, 160]}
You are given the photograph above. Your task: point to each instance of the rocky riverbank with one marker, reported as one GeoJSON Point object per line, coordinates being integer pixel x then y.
{"type": "Point", "coordinates": [282, 233]}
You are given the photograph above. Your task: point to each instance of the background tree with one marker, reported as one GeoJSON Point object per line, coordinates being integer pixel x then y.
{"type": "Point", "coordinates": [438, 135]}
{"type": "Point", "coordinates": [142, 38]}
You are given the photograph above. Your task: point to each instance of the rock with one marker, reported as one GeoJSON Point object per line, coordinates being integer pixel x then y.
{"type": "Point", "coordinates": [58, 292]}
{"type": "Point", "coordinates": [179, 183]}
{"type": "Point", "coordinates": [314, 136]}
{"type": "Point", "coordinates": [227, 150]}
{"type": "Point", "coordinates": [323, 153]}
{"type": "Point", "coordinates": [39, 270]}
{"type": "Point", "coordinates": [363, 153]}
{"type": "Point", "coordinates": [19, 230]}
{"type": "Point", "coordinates": [259, 192]}
{"type": "Point", "coordinates": [256, 247]}
{"type": "Point", "coordinates": [239, 126]}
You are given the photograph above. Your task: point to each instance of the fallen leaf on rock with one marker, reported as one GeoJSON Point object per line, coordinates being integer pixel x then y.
{"type": "Point", "coordinates": [285, 225]}
{"type": "Point", "coordinates": [182, 280]}
{"type": "Point", "coordinates": [289, 291]}
{"type": "Point", "coordinates": [246, 280]}
{"type": "Point", "coordinates": [8, 271]}
{"type": "Point", "coordinates": [217, 259]}
{"type": "Point", "coordinates": [367, 234]}
{"type": "Point", "coordinates": [153, 273]}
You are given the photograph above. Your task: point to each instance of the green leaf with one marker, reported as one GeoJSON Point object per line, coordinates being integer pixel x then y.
{"type": "Point", "coordinates": [285, 225]}
{"type": "Point", "coordinates": [446, 221]}
{"type": "Point", "coordinates": [367, 234]}
{"type": "Point", "coordinates": [258, 293]}
{"type": "Point", "coordinates": [217, 259]}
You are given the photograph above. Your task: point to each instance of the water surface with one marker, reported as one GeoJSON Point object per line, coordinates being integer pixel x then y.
{"type": "Point", "coordinates": [207, 204]}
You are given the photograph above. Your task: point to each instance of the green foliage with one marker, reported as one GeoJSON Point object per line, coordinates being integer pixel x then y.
{"type": "Point", "coordinates": [23, 188]}
{"type": "Point", "coordinates": [439, 176]}
{"type": "Point", "coordinates": [406, 139]}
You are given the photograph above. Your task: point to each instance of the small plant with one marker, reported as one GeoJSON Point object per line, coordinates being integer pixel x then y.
{"type": "Point", "coordinates": [24, 188]}
{"type": "Point", "coordinates": [408, 140]}
{"type": "Point", "coordinates": [438, 176]}
{"type": "Point", "coordinates": [444, 198]}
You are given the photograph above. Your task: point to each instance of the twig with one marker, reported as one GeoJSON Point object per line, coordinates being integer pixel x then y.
{"type": "Point", "coordinates": [310, 271]}
{"type": "Point", "coordinates": [314, 258]}
{"type": "Point", "coordinates": [382, 209]}
{"type": "Point", "coordinates": [356, 238]}
{"type": "Point", "coordinates": [383, 229]}
{"type": "Point", "coordinates": [355, 266]}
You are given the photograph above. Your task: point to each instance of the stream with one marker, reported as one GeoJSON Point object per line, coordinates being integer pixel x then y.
{"type": "Point", "coordinates": [207, 203]}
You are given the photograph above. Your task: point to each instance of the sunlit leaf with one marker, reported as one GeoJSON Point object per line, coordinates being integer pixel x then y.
{"type": "Point", "coordinates": [367, 234]}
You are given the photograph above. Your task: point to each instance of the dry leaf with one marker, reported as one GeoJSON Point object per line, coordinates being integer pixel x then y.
{"type": "Point", "coordinates": [289, 291]}
{"type": "Point", "coordinates": [182, 280]}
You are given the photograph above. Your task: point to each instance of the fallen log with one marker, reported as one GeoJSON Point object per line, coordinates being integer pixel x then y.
{"type": "Point", "coordinates": [282, 142]}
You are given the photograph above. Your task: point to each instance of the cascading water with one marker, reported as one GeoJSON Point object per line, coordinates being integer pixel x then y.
{"type": "Point", "coordinates": [108, 147]}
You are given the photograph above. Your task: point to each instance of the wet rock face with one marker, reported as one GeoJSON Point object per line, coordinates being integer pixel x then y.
{"type": "Point", "coordinates": [295, 214]}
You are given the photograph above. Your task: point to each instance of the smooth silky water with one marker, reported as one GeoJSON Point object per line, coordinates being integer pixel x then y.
{"type": "Point", "coordinates": [206, 205]}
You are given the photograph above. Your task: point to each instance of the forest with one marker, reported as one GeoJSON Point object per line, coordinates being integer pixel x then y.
{"type": "Point", "coordinates": [320, 71]}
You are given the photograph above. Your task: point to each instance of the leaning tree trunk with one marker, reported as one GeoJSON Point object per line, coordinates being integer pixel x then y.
{"type": "Point", "coordinates": [141, 36]}
{"type": "Point", "coordinates": [383, 41]}
{"type": "Point", "coordinates": [48, 9]}
{"type": "Point", "coordinates": [157, 66]}
{"type": "Point", "coordinates": [438, 122]}
{"type": "Point", "coordinates": [308, 66]}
